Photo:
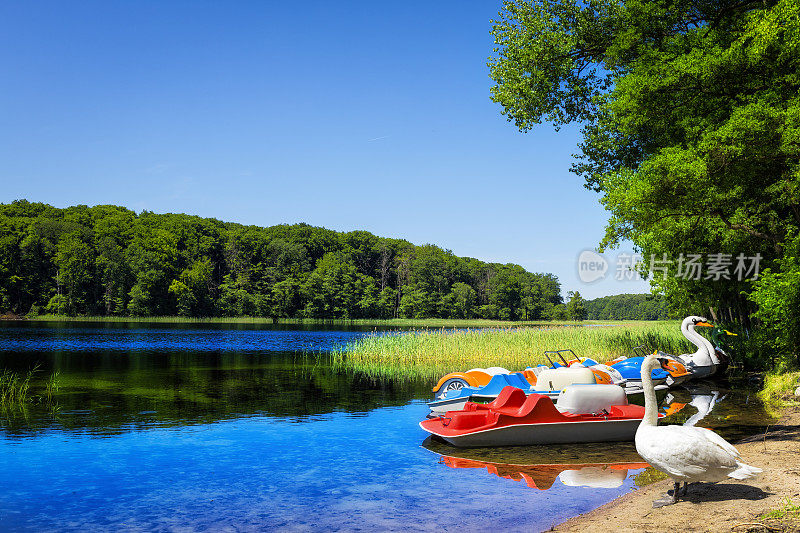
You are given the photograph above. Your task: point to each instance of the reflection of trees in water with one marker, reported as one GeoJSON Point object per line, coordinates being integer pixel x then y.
{"type": "Point", "coordinates": [111, 392]}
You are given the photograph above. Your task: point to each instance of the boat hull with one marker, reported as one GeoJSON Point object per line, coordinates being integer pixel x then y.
{"type": "Point", "coordinates": [544, 433]}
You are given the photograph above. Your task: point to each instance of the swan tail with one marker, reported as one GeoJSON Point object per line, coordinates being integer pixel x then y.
{"type": "Point", "coordinates": [744, 471]}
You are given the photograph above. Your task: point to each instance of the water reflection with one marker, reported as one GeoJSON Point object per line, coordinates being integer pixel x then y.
{"type": "Point", "coordinates": [247, 432]}
{"type": "Point", "coordinates": [540, 466]}
{"type": "Point", "coordinates": [109, 392]}
{"type": "Point", "coordinates": [704, 399]}
{"type": "Point", "coordinates": [123, 378]}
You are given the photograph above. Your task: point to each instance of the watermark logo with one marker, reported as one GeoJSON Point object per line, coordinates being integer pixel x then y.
{"type": "Point", "coordinates": [632, 267]}
{"type": "Point", "coordinates": [591, 266]}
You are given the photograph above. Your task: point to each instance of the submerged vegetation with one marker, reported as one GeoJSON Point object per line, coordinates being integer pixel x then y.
{"type": "Point", "coordinates": [429, 354]}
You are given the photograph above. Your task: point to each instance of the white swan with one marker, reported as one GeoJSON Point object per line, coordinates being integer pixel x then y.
{"type": "Point", "coordinates": [687, 454]}
{"type": "Point", "coordinates": [704, 361]}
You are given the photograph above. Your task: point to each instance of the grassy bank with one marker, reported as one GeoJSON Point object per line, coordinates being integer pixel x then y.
{"type": "Point", "coordinates": [430, 354]}
{"type": "Point", "coordinates": [369, 322]}
{"type": "Point", "coordinates": [777, 392]}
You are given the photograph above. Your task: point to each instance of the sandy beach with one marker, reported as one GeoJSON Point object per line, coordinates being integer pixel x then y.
{"type": "Point", "coordinates": [726, 506]}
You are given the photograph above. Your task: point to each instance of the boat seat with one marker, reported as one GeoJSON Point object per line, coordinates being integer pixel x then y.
{"type": "Point", "coordinates": [535, 406]}
{"type": "Point", "coordinates": [466, 420]}
{"type": "Point", "coordinates": [509, 398]}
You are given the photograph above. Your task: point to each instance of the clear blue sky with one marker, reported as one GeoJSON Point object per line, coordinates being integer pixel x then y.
{"type": "Point", "coordinates": [347, 115]}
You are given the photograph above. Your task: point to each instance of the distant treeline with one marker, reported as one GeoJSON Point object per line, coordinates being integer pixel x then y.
{"type": "Point", "coordinates": [627, 307]}
{"type": "Point", "coordinates": [108, 260]}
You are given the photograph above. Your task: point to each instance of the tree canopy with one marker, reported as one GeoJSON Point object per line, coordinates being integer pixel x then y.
{"type": "Point", "coordinates": [628, 307]}
{"type": "Point", "coordinates": [108, 260]}
{"type": "Point", "coordinates": [690, 114]}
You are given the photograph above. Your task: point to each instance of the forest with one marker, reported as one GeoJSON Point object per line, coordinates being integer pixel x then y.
{"type": "Point", "coordinates": [628, 307]}
{"type": "Point", "coordinates": [110, 261]}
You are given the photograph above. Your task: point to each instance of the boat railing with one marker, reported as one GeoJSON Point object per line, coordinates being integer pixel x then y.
{"type": "Point", "coordinates": [558, 353]}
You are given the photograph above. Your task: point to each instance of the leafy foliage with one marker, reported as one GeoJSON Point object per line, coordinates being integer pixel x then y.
{"type": "Point", "coordinates": [628, 307]}
{"type": "Point", "coordinates": [107, 260]}
{"type": "Point", "coordinates": [691, 128]}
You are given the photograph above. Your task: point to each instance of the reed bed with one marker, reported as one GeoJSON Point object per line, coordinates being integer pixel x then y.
{"type": "Point", "coordinates": [426, 354]}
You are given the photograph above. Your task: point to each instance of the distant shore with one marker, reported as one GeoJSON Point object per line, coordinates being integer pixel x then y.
{"type": "Point", "coordinates": [393, 322]}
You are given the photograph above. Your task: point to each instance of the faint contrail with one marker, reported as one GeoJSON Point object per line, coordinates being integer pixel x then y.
{"type": "Point", "coordinates": [377, 138]}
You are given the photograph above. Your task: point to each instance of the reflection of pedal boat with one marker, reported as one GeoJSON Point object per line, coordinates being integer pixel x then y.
{"type": "Point", "coordinates": [542, 477]}
{"type": "Point", "coordinates": [587, 413]}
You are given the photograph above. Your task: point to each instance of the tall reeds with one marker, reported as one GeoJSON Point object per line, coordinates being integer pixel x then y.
{"type": "Point", "coordinates": [15, 389]}
{"type": "Point", "coordinates": [430, 354]}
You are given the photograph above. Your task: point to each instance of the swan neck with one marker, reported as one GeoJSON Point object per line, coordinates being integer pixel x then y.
{"type": "Point", "coordinates": [702, 357]}
{"type": "Point", "coordinates": [650, 402]}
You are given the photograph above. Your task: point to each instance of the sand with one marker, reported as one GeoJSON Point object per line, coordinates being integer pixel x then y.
{"type": "Point", "coordinates": [726, 506]}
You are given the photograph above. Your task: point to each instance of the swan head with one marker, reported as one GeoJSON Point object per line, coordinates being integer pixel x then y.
{"type": "Point", "coordinates": [693, 321]}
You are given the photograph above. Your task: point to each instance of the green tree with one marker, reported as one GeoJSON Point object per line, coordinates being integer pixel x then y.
{"type": "Point", "coordinates": [691, 122]}
{"type": "Point", "coordinates": [461, 301]}
{"type": "Point", "coordinates": [329, 291]}
{"type": "Point", "coordinates": [576, 306]}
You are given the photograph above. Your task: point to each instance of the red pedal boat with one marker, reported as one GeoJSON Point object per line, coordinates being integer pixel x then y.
{"type": "Point", "coordinates": [514, 419]}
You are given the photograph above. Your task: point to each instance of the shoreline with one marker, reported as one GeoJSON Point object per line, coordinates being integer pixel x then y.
{"type": "Point", "coordinates": [729, 505]}
{"type": "Point", "coordinates": [391, 322]}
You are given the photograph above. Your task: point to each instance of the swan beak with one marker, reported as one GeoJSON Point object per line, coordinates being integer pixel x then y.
{"type": "Point", "coordinates": [664, 362]}
{"type": "Point", "coordinates": [705, 324]}
{"type": "Point", "coordinates": [729, 333]}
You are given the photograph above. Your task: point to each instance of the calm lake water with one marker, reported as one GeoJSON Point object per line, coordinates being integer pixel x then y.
{"type": "Point", "coordinates": [233, 428]}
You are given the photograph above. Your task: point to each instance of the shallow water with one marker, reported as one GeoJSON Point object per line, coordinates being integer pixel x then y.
{"type": "Point", "coordinates": [230, 427]}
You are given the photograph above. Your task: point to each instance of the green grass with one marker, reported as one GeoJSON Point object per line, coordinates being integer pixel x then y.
{"type": "Point", "coordinates": [647, 476]}
{"type": "Point", "coordinates": [427, 354]}
{"type": "Point", "coordinates": [777, 393]}
{"type": "Point", "coordinates": [788, 509]}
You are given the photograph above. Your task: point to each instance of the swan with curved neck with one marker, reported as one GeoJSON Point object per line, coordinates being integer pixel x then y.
{"type": "Point", "coordinates": [685, 453]}
{"type": "Point", "coordinates": [704, 361]}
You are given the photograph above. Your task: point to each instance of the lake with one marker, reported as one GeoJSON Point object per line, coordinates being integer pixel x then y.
{"type": "Point", "coordinates": [243, 428]}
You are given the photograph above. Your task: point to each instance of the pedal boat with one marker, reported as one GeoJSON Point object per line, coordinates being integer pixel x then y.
{"type": "Point", "coordinates": [550, 382]}
{"type": "Point", "coordinates": [481, 377]}
{"type": "Point", "coordinates": [587, 413]}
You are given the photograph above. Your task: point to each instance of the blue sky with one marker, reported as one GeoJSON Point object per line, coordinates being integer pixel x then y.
{"type": "Point", "coordinates": [347, 115]}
